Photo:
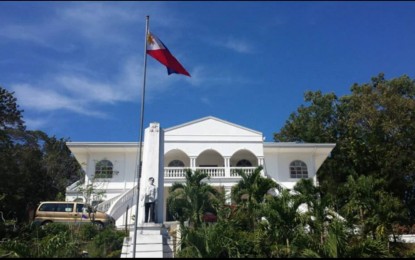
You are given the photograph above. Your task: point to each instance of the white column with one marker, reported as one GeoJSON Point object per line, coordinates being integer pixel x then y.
{"type": "Point", "coordinates": [313, 168]}
{"type": "Point", "coordinates": [193, 162]}
{"type": "Point", "coordinates": [227, 167]}
{"type": "Point", "coordinates": [261, 163]}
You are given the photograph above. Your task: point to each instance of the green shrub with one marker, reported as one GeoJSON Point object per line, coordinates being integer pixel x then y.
{"type": "Point", "coordinates": [107, 243]}
{"type": "Point", "coordinates": [88, 231]}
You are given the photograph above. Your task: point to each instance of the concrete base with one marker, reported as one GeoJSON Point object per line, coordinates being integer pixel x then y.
{"type": "Point", "coordinates": [153, 241]}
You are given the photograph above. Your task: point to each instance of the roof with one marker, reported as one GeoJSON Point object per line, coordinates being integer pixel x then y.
{"type": "Point", "coordinates": [211, 118]}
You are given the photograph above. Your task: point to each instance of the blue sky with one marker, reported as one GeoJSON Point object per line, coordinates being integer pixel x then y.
{"type": "Point", "coordinates": [77, 67]}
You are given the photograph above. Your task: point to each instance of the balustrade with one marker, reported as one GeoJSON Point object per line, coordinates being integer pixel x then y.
{"type": "Point", "coordinates": [213, 172]}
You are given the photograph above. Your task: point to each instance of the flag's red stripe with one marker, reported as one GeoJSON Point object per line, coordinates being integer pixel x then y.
{"type": "Point", "coordinates": [168, 60]}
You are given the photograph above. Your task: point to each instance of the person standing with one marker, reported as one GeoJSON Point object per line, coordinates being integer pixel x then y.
{"type": "Point", "coordinates": [150, 201]}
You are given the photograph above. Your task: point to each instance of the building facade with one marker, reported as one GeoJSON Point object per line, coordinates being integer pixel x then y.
{"type": "Point", "coordinates": [210, 144]}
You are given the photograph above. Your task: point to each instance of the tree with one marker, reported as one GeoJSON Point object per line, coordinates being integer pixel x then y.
{"type": "Point", "coordinates": [11, 123]}
{"type": "Point", "coordinates": [249, 192]}
{"type": "Point", "coordinates": [10, 115]}
{"type": "Point", "coordinates": [370, 207]}
{"type": "Point", "coordinates": [33, 166]}
{"type": "Point", "coordinates": [59, 162]}
{"type": "Point", "coordinates": [379, 125]}
{"type": "Point", "coordinates": [329, 234]}
{"type": "Point", "coordinates": [211, 241]}
{"type": "Point", "coordinates": [316, 123]}
{"type": "Point", "coordinates": [190, 200]}
{"type": "Point", "coordinates": [373, 129]}
{"type": "Point", "coordinates": [283, 224]}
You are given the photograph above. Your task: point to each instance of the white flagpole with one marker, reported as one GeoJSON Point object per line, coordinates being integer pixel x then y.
{"type": "Point", "coordinates": [141, 136]}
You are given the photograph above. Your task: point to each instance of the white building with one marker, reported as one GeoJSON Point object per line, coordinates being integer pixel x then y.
{"type": "Point", "coordinates": [210, 144]}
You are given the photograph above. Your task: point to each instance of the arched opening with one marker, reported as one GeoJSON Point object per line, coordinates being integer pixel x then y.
{"type": "Point", "coordinates": [244, 158]}
{"type": "Point", "coordinates": [175, 158]}
{"type": "Point", "coordinates": [210, 158]}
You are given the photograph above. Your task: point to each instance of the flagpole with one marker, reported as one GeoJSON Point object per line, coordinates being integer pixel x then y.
{"type": "Point", "coordinates": [141, 136]}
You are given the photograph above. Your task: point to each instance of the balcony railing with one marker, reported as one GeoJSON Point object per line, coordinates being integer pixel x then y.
{"type": "Point", "coordinates": [213, 172]}
{"type": "Point", "coordinates": [247, 170]}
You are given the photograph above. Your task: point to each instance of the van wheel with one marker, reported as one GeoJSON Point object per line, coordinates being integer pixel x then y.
{"type": "Point", "coordinates": [44, 224]}
{"type": "Point", "coordinates": [99, 225]}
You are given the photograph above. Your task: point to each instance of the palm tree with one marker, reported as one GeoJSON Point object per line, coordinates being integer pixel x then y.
{"type": "Point", "coordinates": [190, 200]}
{"type": "Point", "coordinates": [317, 208]}
{"type": "Point", "coordinates": [211, 241]}
{"type": "Point", "coordinates": [250, 191]}
{"type": "Point", "coordinates": [327, 230]}
{"type": "Point", "coordinates": [283, 224]}
{"type": "Point", "coordinates": [329, 234]}
{"type": "Point", "coordinates": [339, 242]}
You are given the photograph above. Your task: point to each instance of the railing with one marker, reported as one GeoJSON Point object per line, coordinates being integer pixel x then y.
{"type": "Point", "coordinates": [104, 206]}
{"type": "Point", "coordinates": [179, 172]}
{"type": "Point", "coordinates": [119, 206]}
{"type": "Point", "coordinates": [213, 172]}
{"type": "Point", "coordinates": [116, 206]}
{"type": "Point", "coordinates": [75, 185]}
{"type": "Point", "coordinates": [247, 170]}
{"type": "Point", "coordinates": [174, 172]}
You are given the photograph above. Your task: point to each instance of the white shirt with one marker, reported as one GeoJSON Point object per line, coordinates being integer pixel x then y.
{"type": "Point", "coordinates": [151, 193]}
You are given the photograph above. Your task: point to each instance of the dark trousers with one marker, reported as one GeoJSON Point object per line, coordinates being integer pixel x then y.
{"type": "Point", "coordinates": [149, 210]}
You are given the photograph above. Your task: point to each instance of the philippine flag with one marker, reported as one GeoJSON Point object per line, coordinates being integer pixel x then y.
{"type": "Point", "coordinates": [159, 51]}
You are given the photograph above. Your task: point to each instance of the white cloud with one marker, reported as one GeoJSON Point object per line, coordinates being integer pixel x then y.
{"type": "Point", "coordinates": [97, 13]}
{"type": "Point", "coordinates": [41, 36]}
{"type": "Point", "coordinates": [99, 22]}
{"type": "Point", "coordinates": [78, 86]}
{"type": "Point", "coordinates": [232, 43]}
{"type": "Point", "coordinates": [33, 97]}
{"type": "Point", "coordinates": [20, 32]}
{"type": "Point", "coordinates": [96, 23]}
{"type": "Point", "coordinates": [84, 95]}
{"type": "Point", "coordinates": [89, 90]}
{"type": "Point", "coordinates": [237, 45]}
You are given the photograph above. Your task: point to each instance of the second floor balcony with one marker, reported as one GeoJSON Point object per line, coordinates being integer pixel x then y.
{"type": "Point", "coordinates": [211, 162]}
{"type": "Point", "coordinates": [213, 172]}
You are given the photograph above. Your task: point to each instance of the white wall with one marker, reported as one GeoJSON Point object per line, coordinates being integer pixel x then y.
{"type": "Point", "coordinates": [278, 166]}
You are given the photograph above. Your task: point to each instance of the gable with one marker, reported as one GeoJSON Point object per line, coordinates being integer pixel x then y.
{"type": "Point", "coordinates": [211, 129]}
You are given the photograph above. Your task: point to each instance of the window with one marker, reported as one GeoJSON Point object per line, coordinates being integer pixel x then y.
{"type": "Point", "coordinates": [64, 207]}
{"type": "Point", "coordinates": [244, 163]}
{"type": "Point", "coordinates": [298, 170]}
{"type": "Point", "coordinates": [103, 169]}
{"type": "Point", "coordinates": [79, 207]}
{"type": "Point", "coordinates": [176, 163]}
{"type": "Point", "coordinates": [48, 207]}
